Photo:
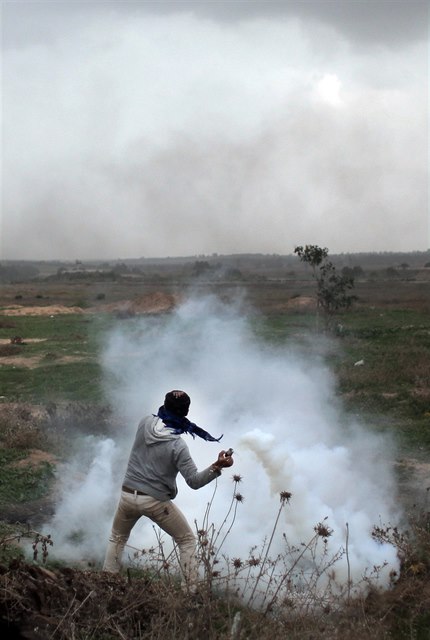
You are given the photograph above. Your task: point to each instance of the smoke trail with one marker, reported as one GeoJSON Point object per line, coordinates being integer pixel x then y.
{"type": "Point", "coordinates": [275, 406]}
{"type": "Point", "coordinates": [86, 486]}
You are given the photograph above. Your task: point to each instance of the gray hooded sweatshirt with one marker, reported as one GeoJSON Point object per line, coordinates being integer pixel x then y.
{"type": "Point", "coordinates": [156, 458]}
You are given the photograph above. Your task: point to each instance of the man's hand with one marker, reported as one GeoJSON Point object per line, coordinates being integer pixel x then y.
{"type": "Point", "coordinates": [225, 459]}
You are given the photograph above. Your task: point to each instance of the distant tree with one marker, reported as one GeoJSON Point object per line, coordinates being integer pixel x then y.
{"type": "Point", "coordinates": [332, 288]}
{"type": "Point", "coordinates": [347, 271]}
{"type": "Point", "coordinates": [233, 274]}
{"type": "Point", "coordinates": [200, 267]}
{"type": "Point", "coordinates": [357, 271]}
{"type": "Point", "coordinates": [313, 255]}
{"type": "Point", "coordinates": [120, 267]}
{"type": "Point", "coordinates": [352, 272]}
{"type": "Point", "coordinates": [391, 272]}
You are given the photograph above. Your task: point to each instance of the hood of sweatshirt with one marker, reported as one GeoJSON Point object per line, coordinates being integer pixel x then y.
{"type": "Point", "coordinates": [156, 431]}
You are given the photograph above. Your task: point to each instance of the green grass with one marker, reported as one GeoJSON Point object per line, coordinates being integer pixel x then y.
{"type": "Point", "coordinates": [53, 383]}
{"type": "Point", "coordinates": [70, 337]}
{"type": "Point", "coordinates": [395, 348]}
{"type": "Point", "coordinates": [63, 334]}
{"type": "Point", "coordinates": [394, 344]}
{"type": "Point", "coordinates": [22, 484]}
{"type": "Point", "coordinates": [391, 390]}
{"type": "Point", "coordinates": [279, 327]}
{"type": "Point", "coordinates": [9, 548]}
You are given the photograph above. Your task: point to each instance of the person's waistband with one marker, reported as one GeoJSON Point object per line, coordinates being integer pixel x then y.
{"type": "Point", "coordinates": [136, 491]}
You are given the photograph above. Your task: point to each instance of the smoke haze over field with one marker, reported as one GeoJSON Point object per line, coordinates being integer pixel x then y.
{"type": "Point", "coordinates": [276, 407]}
{"type": "Point", "coordinates": [186, 128]}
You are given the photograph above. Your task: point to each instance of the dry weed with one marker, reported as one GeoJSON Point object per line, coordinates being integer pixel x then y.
{"type": "Point", "coordinates": [293, 595]}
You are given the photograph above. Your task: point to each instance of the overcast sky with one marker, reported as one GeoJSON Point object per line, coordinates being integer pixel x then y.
{"type": "Point", "coordinates": [150, 129]}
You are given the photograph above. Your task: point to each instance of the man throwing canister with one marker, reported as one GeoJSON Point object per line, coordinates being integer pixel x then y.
{"type": "Point", "coordinates": [158, 454]}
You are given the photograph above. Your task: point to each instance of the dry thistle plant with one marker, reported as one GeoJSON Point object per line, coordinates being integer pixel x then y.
{"type": "Point", "coordinates": [304, 579]}
{"type": "Point", "coordinates": [41, 541]}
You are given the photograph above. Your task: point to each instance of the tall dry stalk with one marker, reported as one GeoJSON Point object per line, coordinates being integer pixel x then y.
{"type": "Point", "coordinates": [285, 498]}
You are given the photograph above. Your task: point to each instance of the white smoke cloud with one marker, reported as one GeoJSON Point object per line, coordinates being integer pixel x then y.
{"type": "Point", "coordinates": [87, 482]}
{"type": "Point", "coordinates": [276, 407]}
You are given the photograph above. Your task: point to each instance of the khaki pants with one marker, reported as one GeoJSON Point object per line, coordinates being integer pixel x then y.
{"type": "Point", "coordinates": [167, 516]}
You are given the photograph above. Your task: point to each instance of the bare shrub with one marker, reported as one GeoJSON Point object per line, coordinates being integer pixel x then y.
{"type": "Point", "coordinates": [9, 350]}
{"type": "Point", "coordinates": [148, 604]}
{"type": "Point", "coordinates": [21, 427]}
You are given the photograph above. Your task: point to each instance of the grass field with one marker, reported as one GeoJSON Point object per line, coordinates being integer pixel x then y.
{"type": "Point", "coordinates": [379, 352]}
{"type": "Point", "coordinates": [388, 329]}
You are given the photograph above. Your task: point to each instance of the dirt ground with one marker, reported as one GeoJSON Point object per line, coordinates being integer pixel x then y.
{"type": "Point", "coordinates": [37, 603]}
{"type": "Point", "coordinates": [48, 310]}
{"type": "Point", "coordinates": [157, 302]}
{"type": "Point", "coordinates": [30, 362]}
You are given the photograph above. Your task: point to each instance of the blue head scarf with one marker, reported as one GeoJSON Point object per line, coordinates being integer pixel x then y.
{"type": "Point", "coordinates": [180, 425]}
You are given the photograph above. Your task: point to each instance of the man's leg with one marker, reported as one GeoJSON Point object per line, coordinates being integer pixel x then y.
{"type": "Point", "coordinates": [125, 518]}
{"type": "Point", "coordinates": [171, 519]}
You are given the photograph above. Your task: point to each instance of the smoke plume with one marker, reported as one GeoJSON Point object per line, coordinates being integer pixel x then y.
{"type": "Point", "coordinates": [276, 406]}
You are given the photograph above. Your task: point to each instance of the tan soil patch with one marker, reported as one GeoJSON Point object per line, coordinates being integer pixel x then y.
{"type": "Point", "coordinates": [23, 410]}
{"type": "Point", "coordinates": [301, 302]}
{"type": "Point", "coordinates": [157, 302]}
{"type": "Point", "coordinates": [35, 361]}
{"type": "Point", "coordinates": [18, 310]}
{"type": "Point", "coordinates": [35, 458]}
{"type": "Point", "coordinates": [19, 361]}
{"type": "Point", "coordinates": [24, 340]}
{"type": "Point", "coordinates": [421, 468]}
{"type": "Point", "coordinates": [417, 480]}
{"type": "Point", "coordinates": [421, 392]}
